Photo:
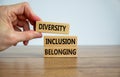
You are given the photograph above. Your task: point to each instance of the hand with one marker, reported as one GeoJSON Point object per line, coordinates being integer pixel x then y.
{"type": "Point", "coordinates": [12, 19]}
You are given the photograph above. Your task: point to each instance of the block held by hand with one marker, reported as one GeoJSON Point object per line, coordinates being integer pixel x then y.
{"type": "Point", "coordinates": [52, 27]}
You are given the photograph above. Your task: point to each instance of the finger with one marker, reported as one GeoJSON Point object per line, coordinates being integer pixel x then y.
{"type": "Point", "coordinates": [15, 44]}
{"type": "Point", "coordinates": [24, 24]}
{"type": "Point", "coordinates": [26, 27]}
{"type": "Point", "coordinates": [25, 9]}
{"type": "Point", "coordinates": [27, 35]}
{"type": "Point", "coordinates": [25, 42]}
{"type": "Point", "coordinates": [21, 17]}
{"type": "Point", "coordinates": [16, 28]}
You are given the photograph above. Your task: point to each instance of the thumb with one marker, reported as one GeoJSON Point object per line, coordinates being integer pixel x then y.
{"type": "Point", "coordinates": [27, 35]}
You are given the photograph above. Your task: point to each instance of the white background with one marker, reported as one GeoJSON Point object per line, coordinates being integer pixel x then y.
{"type": "Point", "coordinates": [94, 22]}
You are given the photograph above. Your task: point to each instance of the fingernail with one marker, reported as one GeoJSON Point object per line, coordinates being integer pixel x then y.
{"type": "Point", "coordinates": [37, 18]}
{"type": "Point", "coordinates": [25, 43]}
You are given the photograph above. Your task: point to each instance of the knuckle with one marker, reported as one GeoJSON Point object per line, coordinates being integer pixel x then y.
{"type": "Point", "coordinates": [28, 36]}
{"type": "Point", "coordinates": [26, 3]}
{"type": "Point", "coordinates": [12, 39]}
{"type": "Point", "coordinates": [5, 10]}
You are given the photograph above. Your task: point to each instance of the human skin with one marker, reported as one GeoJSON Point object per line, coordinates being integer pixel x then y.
{"type": "Point", "coordinates": [12, 19]}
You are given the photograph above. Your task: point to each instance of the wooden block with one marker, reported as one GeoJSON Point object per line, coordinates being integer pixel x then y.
{"type": "Point", "coordinates": [60, 41]}
{"type": "Point", "coordinates": [52, 27]}
{"type": "Point", "coordinates": [60, 51]}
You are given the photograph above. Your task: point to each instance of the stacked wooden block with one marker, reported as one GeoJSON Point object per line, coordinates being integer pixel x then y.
{"type": "Point", "coordinates": [57, 46]}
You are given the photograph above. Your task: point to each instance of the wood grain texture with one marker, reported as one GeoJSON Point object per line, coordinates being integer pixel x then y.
{"type": "Point", "coordinates": [61, 41]}
{"type": "Point", "coordinates": [52, 27]}
{"type": "Point", "coordinates": [60, 51]}
{"type": "Point", "coordinates": [92, 61]}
